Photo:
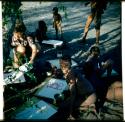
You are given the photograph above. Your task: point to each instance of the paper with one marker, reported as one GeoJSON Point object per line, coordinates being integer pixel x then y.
{"type": "Point", "coordinates": [56, 63]}
{"type": "Point", "coordinates": [53, 86]}
{"type": "Point", "coordinates": [40, 110]}
{"type": "Point", "coordinates": [53, 42]}
{"type": "Point", "coordinates": [25, 67]}
{"type": "Point", "coordinates": [13, 77]}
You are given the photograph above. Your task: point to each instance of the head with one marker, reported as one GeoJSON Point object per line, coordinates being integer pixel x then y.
{"type": "Point", "coordinates": [55, 10]}
{"type": "Point", "coordinates": [65, 64]}
{"type": "Point", "coordinates": [95, 51]}
{"type": "Point", "coordinates": [20, 25]}
{"type": "Point", "coordinates": [41, 24]}
{"type": "Point", "coordinates": [17, 34]}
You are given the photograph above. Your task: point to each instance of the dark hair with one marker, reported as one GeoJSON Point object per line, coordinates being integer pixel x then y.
{"type": "Point", "coordinates": [41, 24]}
{"type": "Point", "coordinates": [95, 48]}
{"type": "Point", "coordinates": [65, 61]}
{"type": "Point", "coordinates": [66, 57]}
{"type": "Point", "coordinates": [55, 10]}
{"type": "Point", "coordinates": [20, 25]}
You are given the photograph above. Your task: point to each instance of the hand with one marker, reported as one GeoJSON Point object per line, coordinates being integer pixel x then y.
{"type": "Point", "coordinates": [108, 63]}
{"type": "Point", "coordinates": [31, 62]}
{"type": "Point", "coordinates": [71, 117]}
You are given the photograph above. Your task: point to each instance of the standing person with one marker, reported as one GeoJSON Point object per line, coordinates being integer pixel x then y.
{"type": "Point", "coordinates": [97, 9]}
{"type": "Point", "coordinates": [57, 20]}
{"type": "Point", "coordinates": [82, 94]}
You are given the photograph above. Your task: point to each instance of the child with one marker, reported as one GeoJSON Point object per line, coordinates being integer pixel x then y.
{"type": "Point", "coordinates": [82, 95]}
{"type": "Point", "coordinates": [57, 19]}
{"type": "Point", "coordinates": [98, 67]}
{"type": "Point", "coordinates": [40, 33]}
{"type": "Point", "coordinates": [93, 69]}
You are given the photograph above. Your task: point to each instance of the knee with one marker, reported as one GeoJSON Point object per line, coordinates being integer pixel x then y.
{"type": "Point", "coordinates": [21, 50]}
{"type": "Point", "coordinates": [91, 99]}
{"type": "Point", "coordinates": [90, 17]}
{"type": "Point", "coordinates": [115, 92]}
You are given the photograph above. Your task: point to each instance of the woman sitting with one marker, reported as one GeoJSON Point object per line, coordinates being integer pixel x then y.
{"type": "Point", "coordinates": [24, 49]}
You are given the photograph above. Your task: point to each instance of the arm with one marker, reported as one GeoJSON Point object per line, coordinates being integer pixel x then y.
{"type": "Point", "coordinates": [71, 98]}
{"type": "Point", "coordinates": [34, 49]}
{"type": "Point", "coordinates": [34, 52]}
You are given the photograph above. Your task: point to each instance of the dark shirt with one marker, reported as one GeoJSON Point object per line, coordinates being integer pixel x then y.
{"type": "Point", "coordinates": [95, 62]}
{"type": "Point", "coordinates": [79, 83]}
{"type": "Point", "coordinates": [95, 71]}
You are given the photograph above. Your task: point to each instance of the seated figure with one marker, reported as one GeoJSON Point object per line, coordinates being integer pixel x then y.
{"type": "Point", "coordinates": [40, 33]}
{"type": "Point", "coordinates": [93, 70]}
{"type": "Point", "coordinates": [24, 48]}
{"type": "Point", "coordinates": [82, 94]}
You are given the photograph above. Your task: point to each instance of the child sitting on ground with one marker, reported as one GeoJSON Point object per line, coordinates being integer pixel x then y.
{"type": "Point", "coordinates": [93, 70]}
{"type": "Point", "coordinates": [40, 33]}
{"type": "Point", "coordinates": [82, 94]}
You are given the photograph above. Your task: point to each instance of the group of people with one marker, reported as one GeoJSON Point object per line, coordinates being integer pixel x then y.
{"type": "Point", "coordinates": [27, 46]}
{"type": "Point", "coordinates": [84, 86]}
{"type": "Point", "coordinates": [88, 91]}
{"type": "Point", "coordinates": [21, 39]}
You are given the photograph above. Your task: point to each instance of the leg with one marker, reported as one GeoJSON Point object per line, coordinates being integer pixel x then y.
{"type": "Point", "coordinates": [115, 92]}
{"type": "Point", "coordinates": [56, 33]}
{"type": "Point", "coordinates": [97, 35]}
{"type": "Point", "coordinates": [97, 22]}
{"type": "Point", "coordinates": [90, 101]}
{"type": "Point", "coordinates": [87, 25]}
{"type": "Point", "coordinates": [60, 28]}
{"type": "Point", "coordinates": [56, 28]}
